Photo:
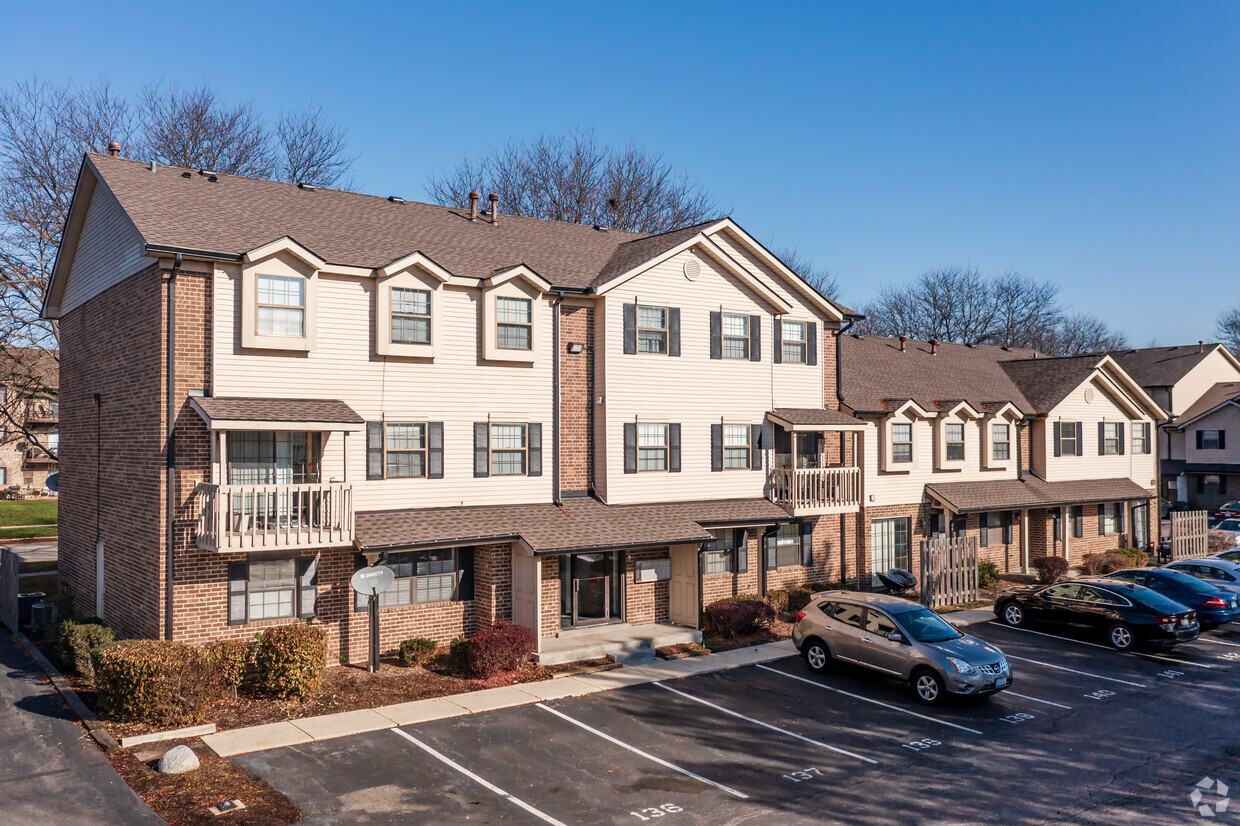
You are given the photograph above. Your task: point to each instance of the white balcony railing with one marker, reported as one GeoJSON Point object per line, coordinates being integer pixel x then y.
{"type": "Point", "coordinates": [270, 517]}
{"type": "Point", "coordinates": [810, 491]}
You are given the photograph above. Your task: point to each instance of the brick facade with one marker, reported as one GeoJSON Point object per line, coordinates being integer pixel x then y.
{"type": "Point", "coordinates": [576, 400]}
{"type": "Point", "coordinates": [645, 602]}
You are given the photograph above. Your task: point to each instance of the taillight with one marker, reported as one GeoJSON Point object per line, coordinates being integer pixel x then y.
{"type": "Point", "coordinates": [1214, 602]}
{"type": "Point", "coordinates": [800, 615]}
{"type": "Point", "coordinates": [1165, 620]}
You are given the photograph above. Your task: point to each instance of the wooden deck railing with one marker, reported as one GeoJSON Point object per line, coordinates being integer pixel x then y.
{"type": "Point", "coordinates": [268, 517]}
{"type": "Point", "coordinates": [805, 491]}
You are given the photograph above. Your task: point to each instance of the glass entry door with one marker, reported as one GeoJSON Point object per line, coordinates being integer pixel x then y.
{"type": "Point", "coordinates": [589, 589]}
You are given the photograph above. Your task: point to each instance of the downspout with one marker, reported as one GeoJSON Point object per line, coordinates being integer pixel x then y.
{"type": "Point", "coordinates": [555, 398]}
{"type": "Point", "coordinates": [169, 447]}
{"type": "Point", "coordinates": [839, 397]}
{"type": "Point", "coordinates": [1020, 462]}
{"type": "Point", "coordinates": [839, 371]}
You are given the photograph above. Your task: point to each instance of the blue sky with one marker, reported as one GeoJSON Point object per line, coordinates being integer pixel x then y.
{"type": "Point", "coordinates": [1092, 144]}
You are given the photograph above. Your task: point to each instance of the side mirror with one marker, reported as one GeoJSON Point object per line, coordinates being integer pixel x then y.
{"type": "Point", "coordinates": [956, 624]}
{"type": "Point", "coordinates": [895, 636]}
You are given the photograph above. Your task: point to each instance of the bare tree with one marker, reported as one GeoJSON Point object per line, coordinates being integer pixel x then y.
{"type": "Point", "coordinates": [194, 129]}
{"type": "Point", "coordinates": [820, 278]}
{"type": "Point", "coordinates": [312, 149]}
{"type": "Point", "coordinates": [1024, 309]}
{"type": "Point", "coordinates": [1228, 329]}
{"type": "Point", "coordinates": [1082, 333]}
{"type": "Point", "coordinates": [949, 303]}
{"type": "Point", "coordinates": [576, 179]}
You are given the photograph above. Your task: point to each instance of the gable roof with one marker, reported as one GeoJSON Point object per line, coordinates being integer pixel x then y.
{"type": "Point", "coordinates": [877, 376]}
{"type": "Point", "coordinates": [1164, 366]}
{"type": "Point", "coordinates": [1048, 381]}
{"type": "Point", "coordinates": [1217, 396]}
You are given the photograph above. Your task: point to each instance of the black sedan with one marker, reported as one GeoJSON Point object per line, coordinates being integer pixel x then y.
{"type": "Point", "coordinates": [1215, 603]}
{"type": "Point", "coordinates": [1127, 614]}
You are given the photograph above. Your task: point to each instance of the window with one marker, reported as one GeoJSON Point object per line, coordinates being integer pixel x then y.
{"type": "Point", "coordinates": [1209, 440]}
{"type": "Point", "coordinates": [514, 323]}
{"type": "Point", "coordinates": [1069, 437]}
{"type": "Point", "coordinates": [794, 342]}
{"type": "Point", "coordinates": [1140, 437]}
{"type": "Point", "coordinates": [847, 614]}
{"type": "Point", "coordinates": [720, 551]}
{"type": "Point", "coordinates": [1109, 514]}
{"type": "Point", "coordinates": [411, 316]}
{"type": "Point", "coordinates": [281, 306]}
{"type": "Point", "coordinates": [4, 476]}
{"type": "Point", "coordinates": [902, 442]}
{"type": "Point", "coordinates": [1057, 525]}
{"type": "Point", "coordinates": [53, 444]}
{"type": "Point", "coordinates": [421, 577]}
{"type": "Point", "coordinates": [1078, 521]}
{"type": "Point", "coordinates": [1098, 596]}
{"type": "Point", "coordinates": [889, 545]}
{"type": "Point", "coordinates": [788, 545]}
{"type": "Point", "coordinates": [508, 449]}
{"type": "Point", "coordinates": [651, 329]}
{"type": "Point", "coordinates": [879, 624]}
{"type": "Point", "coordinates": [1209, 482]}
{"type": "Point", "coordinates": [736, 447]}
{"type": "Point", "coordinates": [265, 457]}
{"type": "Point", "coordinates": [735, 336]}
{"type": "Point", "coordinates": [272, 589]}
{"type": "Point", "coordinates": [1001, 442]}
{"type": "Point", "coordinates": [651, 447]}
{"type": "Point", "coordinates": [1110, 438]}
{"type": "Point", "coordinates": [1064, 591]}
{"type": "Point", "coordinates": [404, 449]}
{"type": "Point", "coordinates": [991, 528]}
{"type": "Point", "coordinates": [953, 433]}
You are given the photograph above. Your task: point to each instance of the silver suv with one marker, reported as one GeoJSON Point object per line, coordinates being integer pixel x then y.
{"type": "Point", "coordinates": [900, 639]}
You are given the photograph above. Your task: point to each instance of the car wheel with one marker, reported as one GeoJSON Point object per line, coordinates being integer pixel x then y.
{"type": "Point", "coordinates": [817, 656]}
{"type": "Point", "coordinates": [1014, 615]}
{"type": "Point", "coordinates": [1120, 636]}
{"type": "Point", "coordinates": [928, 687]}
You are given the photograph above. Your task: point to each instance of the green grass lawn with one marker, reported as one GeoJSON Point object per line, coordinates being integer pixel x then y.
{"type": "Point", "coordinates": [35, 512]}
{"type": "Point", "coordinates": [37, 532]}
{"type": "Point", "coordinates": [48, 584]}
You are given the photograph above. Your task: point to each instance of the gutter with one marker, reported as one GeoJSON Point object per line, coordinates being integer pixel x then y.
{"type": "Point", "coordinates": [206, 255]}
{"type": "Point", "coordinates": [839, 370]}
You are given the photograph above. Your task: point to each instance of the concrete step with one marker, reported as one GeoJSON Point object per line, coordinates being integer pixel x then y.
{"type": "Point", "coordinates": [632, 656]}
{"type": "Point", "coordinates": [618, 642]}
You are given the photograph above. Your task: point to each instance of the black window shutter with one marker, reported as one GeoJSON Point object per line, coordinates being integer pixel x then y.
{"type": "Point", "coordinates": [716, 335]}
{"type": "Point", "coordinates": [1222, 483]}
{"type": "Point", "coordinates": [811, 343]}
{"type": "Point", "coordinates": [1057, 439]}
{"type": "Point", "coordinates": [465, 564]}
{"type": "Point", "coordinates": [778, 332]}
{"type": "Point", "coordinates": [1007, 527]}
{"type": "Point", "coordinates": [1199, 435]}
{"type": "Point", "coordinates": [374, 450]}
{"type": "Point", "coordinates": [755, 447]}
{"type": "Point", "coordinates": [1102, 437]}
{"type": "Point", "coordinates": [1222, 440]}
{"type": "Point", "coordinates": [1057, 529]}
{"type": "Point", "coordinates": [630, 447]}
{"type": "Point", "coordinates": [307, 585]}
{"type": "Point", "coordinates": [1119, 516]}
{"type": "Point", "coordinates": [1080, 440]}
{"type": "Point", "coordinates": [1149, 437]}
{"type": "Point", "coordinates": [673, 331]}
{"type": "Point", "coordinates": [716, 447]}
{"type": "Point", "coordinates": [807, 543]}
{"type": "Point", "coordinates": [673, 447]}
{"type": "Point", "coordinates": [434, 450]}
{"type": "Point", "coordinates": [755, 338]}
{"type": "Point", "coordinates": [534, 436]}
{"type": "Point", "coordinates": [1101, 527]}
{"type": "Point", "coordinates": [630, 328]}
{"type": "Point", "coordinates": [238, 575]}
{"type": "Point", "coordinates": [740, 552]}
{"type": "Point", "coordinates": [1201, 483]}
{"type": "Point", "coordinates": [1121, 438]}
{"type": "Point", "coordinates": [1078, 521]}
{"type": "Point", "coordinates": [768, 550]}
{"type": "Point", "coordinates": [482, 459]}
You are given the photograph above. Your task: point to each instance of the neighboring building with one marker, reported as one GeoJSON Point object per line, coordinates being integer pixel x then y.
{"type": "Point", "coordinates": [29, 429]}
{"type": "Point", "coordinates": [1035, 456]}
{"type": "Point", "coordinates": [1198, 385]}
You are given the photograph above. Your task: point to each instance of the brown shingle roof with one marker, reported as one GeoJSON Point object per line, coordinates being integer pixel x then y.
{"type": "Point", "coordinates": [815, 416]}
{"type": "Point", "coordinates": [875, 370]}
{"type": "Point", "coordinates": [1161, 366]}
{"type": "Point", "coordinates": [1033, 492]}
{"type": "Point", "coordinates": [277, 410]}
{"type": "Point", "coordinates": [1211, 399]}
{"type": "Point", "coordinates": [1048, 381]}
{"type": "Point", "coordinates": [582, 524]}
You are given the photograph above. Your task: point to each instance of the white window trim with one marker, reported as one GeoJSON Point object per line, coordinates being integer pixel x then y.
{"type": "Point", "coordinates": [410, 279]}
{"type": "Point", "coordinates": [666, 447]}
{"type": "Point", "coordinates": [748, 445]}
{"type": "Point", "coordinates": [492, 449]}
{"type": "Point", "coordinates": [1063, 451]}
{"type": "Point", "coordinates": [283, 265]}
{"type": "Point", "coordinates": [988, 443]}
{"type": "Point", "coordinates": [1146, 430]}
{"type": "Point", "coordinates": [890, 465]}
{"type": "Point", "coordinates": [940, 451]}
{"type": "Point", "coordinates": [723, 336]}
{"type": "Point", "coordinates": [666, 329]}
{"type": "Point", "coordinates": [1118, 439]}
{"type": "Point", "coordinates": [424, 450]}
{"type": "Point", "coordinates": [513, 288]}
{"type": "Point", "coordinates": [783, 339]}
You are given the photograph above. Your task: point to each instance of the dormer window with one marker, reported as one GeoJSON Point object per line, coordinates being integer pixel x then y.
{"type": "Point", "coordinates": [953, 434]}
{"type": "Point", "coordinates": [278, 294]}
{"type": "Point", "coordinates": [514, 323]}
{"type": "Point", "coordinates": [902, 442]}
{"type": "Point", "coordinates": [1001, 442]}
{"type": "Point", "coordinates": [411, 316]}
{"type": "Point", "coordinates": [281, 306]}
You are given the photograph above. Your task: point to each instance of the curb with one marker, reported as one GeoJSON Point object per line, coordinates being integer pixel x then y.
{"type": "Point", "coordinates": [100, 734]}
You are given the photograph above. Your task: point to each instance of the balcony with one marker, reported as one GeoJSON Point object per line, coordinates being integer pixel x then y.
{"type": "Point", "coordinates": [273, 517]}
{"type": "Point", "coordinates": [43, 412]}
{"type": "Point", "coordinates": [815, 491]}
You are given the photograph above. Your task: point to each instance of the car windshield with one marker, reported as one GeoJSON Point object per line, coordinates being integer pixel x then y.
{"type": "Point", "coordinates": [1228, 525]}
{"type": "Point", "coordinates": [924, 625]}
{"type": "Point", "coordinates": [1184, 580]}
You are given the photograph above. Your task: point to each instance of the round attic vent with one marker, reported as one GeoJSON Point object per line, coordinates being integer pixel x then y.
{"type": "Point", "coordinates": [1089, 395]}
{"type": "Point", "coordinates": [692, 269]}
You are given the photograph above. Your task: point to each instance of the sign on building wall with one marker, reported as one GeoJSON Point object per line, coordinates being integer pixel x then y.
{"type": "Point", "coordinates": [653, 570]}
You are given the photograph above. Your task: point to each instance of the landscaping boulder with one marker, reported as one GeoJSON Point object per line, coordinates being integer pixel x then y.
{"type": "Point", "coordinates": [178, 760]}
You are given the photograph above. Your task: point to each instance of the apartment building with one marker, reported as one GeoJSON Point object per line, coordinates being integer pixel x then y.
{"type": "Point", "coordinates": [1035, 456]}
{"type": "Point", "coordinates": [559, 424]}
{"type": "Point", "coordinates": [1199, 387]}
{"type": "Point", "coordinates": [29, 433]}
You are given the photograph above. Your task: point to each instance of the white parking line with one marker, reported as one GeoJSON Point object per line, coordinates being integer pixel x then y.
{"type": "Point", "coordinates": [867, 699]}
{"type": "Point", "coordinates": [793, 734]}
{"type": "Point", "coordinates": [1218, 642]}
{"type": "Point", "coordinates": [490, 786]}
{"type": "Point", "coordinates": [1172, 660]}
{"type": "Point", "coordinates": [1036, 700]}
{"type": "Point", "coordinates": [641, 753]}
{"type": "Point", "coordinates": [1074, 671]}
{"type": "Point", "coordinates": [1052, 636]}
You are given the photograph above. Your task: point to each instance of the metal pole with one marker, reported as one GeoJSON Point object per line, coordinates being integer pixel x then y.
{"type": "Point", "coordinates": [372, 605]}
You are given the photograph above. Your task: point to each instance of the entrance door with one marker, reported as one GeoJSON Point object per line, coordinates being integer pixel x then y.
{"type": "Point", "coordinates": [1141, 525]}
{"type": "Point", "coordinates": [588, 587]}
{"type": "Point", "coordinates": [683, 597]}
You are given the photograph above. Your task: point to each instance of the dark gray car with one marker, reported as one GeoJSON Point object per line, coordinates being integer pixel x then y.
{"type": "Point", "coordinates": [900, 639]}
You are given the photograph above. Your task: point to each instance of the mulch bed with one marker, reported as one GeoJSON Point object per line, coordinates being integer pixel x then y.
{"type": "Point", "coordinates": [781, 629]}
{"type": "Point", "coordinates": [681, 651]}
{"type": "Point", "coordinates": [183, 799]}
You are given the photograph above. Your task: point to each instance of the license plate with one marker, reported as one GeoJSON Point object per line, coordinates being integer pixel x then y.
{"type": "Point", "coordinates": [1002, 681]}
{"type": "Point", "coordinates": [1183, 622]}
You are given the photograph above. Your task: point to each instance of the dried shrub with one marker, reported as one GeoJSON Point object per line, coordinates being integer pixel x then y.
{"type": "Point", "coordinates": [735, 617]}
{"type": "Point", "coordinates": [161, 682]}
{"type": "Point", "coordinates": [1137, 558]}
{"type": "Point", "coordinates": [1106, 563]}
{"type": "Point", "coordinates": [1049, 568]}
{"type": "Point", "coordinates": [416, 651]}
{"type": "Point", "coordinates": [987, 574]}
{"type": "Point", "coordinates": [1219, 542]}
{"type": "Point", "coordinates": [230, 661]}
{"type": "Point", "coordinates": [290, 659]}
{"type": "Point", "coordinates": [504, 647]}
{"type": "Point", "coordinates": [458, 653]}
{"type": "Point", "coordinates": [80, 641]}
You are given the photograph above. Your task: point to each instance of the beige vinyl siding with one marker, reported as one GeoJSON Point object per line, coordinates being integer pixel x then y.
{"type": "Point", "coordinates": [1173, 444]}
{"type": "Point", "coordinates": [776, 284]}
{"type": "Point", "coordinates": [456, 389]}
{"type": "Point", "coordinates": [1228, 419]}
{"type": "Point", "coordinates": [1141, 468]}
{"type": "Point", "coordinates": [109, 250]}
{"type": "Point", "coordinates": [692, 389]}
{"type": "Point", "coordinates": [1214, 369]}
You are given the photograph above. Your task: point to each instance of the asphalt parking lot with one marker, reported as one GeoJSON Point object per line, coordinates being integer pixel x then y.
{"type": "Point", "coordinates": [1085, 735]}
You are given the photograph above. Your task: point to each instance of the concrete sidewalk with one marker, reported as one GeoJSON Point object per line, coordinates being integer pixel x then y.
{"type": "Point", "coordinates": [973, 616]}
{"type": "Point", "coordinates": [328, 726]}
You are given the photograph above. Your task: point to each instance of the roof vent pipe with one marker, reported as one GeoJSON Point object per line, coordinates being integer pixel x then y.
{"type": "Point", "coordinates": [494, 199]}
{"type": "Point", "coordinates": [1201, 346]}
{"type": "Point", "coordinates": [903, 341]}
{"type": "Point", "coordinates": [473, 205]}
{"type": "Point", "coordinates": [934, 346]}
{"type": "Point", "coordinates": [114, 149]}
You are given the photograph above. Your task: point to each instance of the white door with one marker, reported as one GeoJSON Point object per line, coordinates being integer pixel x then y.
{"type": "Point", "coordinates": [683, 597]}
{"type": "Point", "coordinates": [525, 576]}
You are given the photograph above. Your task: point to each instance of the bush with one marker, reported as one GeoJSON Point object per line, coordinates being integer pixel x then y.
{"type": "Point", "coordinates": [229, 661]}
{"type": "Point", "coordinates": [162, 682]}
{"type": "Point", "coordinates": [790, 600]}
{"type": "Point", "coordinates": [416, 651]}
{"type": "Point", "coordinates": [734, 617]}
{"type": "Point", "coordinates": [458, 653]}
{"type": "Point", "coordinates": [1049, 568]}
{"type": "Point", "coordinates": [987, 574]}
{"type": "Point", "coordinates": [290, 659]}
{"type": "Point", "coordinates": [80, 641]}
{"type": "Point", "coordinates": [1136, 557]}
{"type": "Point", "coordinates": [504, 647]}
{"type": "Point", "coordinates": [1107, 563]}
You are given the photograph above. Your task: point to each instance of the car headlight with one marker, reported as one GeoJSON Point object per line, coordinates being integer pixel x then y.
{"type": "Point", "coordinates": [961, 666]}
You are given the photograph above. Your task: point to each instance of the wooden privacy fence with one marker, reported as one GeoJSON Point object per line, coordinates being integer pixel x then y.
{"type": "Point", "coordinates": [948, 571]}
{"type": "Point", "coordinates": [1190, 534]}
{"type": "Point", "coordinates": [9, 564]}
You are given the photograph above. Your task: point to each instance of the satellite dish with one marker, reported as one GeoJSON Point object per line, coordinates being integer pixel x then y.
{"type": "Point", "coordinates": [53, 482]}
{"type": "Point", "coordinates": [373, 580]}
